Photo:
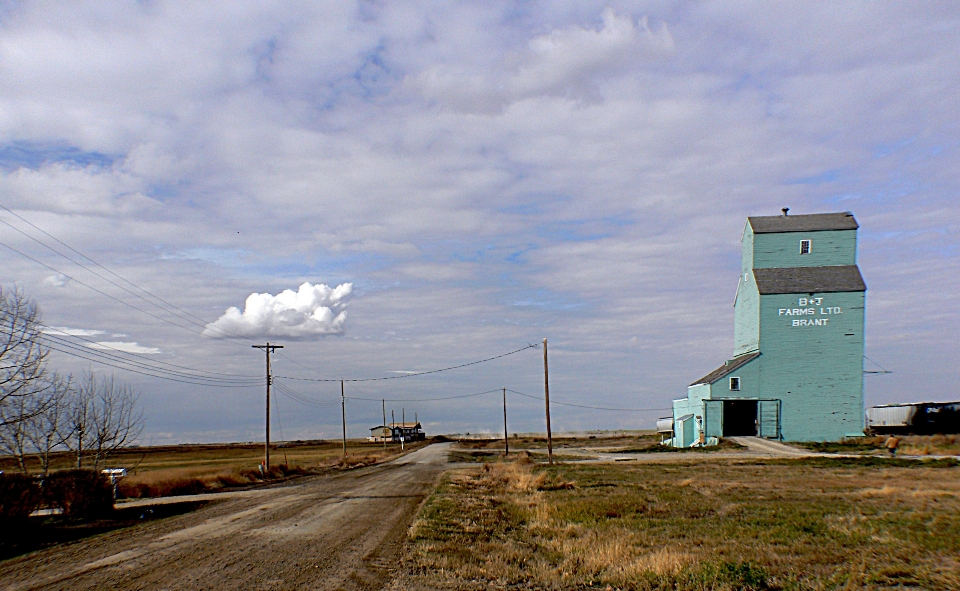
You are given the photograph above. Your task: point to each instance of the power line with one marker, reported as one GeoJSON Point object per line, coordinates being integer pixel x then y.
{"type": "Point", "coordinates": [589, 407]}
{"type": "Point", "coordinates": [152, 375]}
{"type": "Point", "coordinates": [179, 312]}
{"type": "Point", "coordinates": [424, 399]}
{"type": "Point", "coordinates": [410, 375]}
{"type": "Point", "coordinates": [103, 293]}
{"type": "Point", "coordinates": [245, 381]}
{"type": "Point", "coordinates": [48, 334]}
{"type": "Point", "coordinates": [74, 350]}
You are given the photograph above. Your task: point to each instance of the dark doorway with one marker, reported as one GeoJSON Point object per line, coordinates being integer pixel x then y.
{"type": "Point", "coordinates": [739, 418]}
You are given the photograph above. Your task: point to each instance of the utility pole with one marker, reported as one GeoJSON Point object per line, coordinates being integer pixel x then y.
{"type": "Point", "coordinates": [393, 424]}
{"type": "Point", "coordinates": [546, 397]}
{"type": "Point", "coordinates": [268, 348]}
{"type": "Point", "coordinates": [506, 440]}
{"type": "Point", "coordinates": [343, 416]}
{"type": "Point", "coordinates": [403, 427]}
{"type": "Point", "coordinates": [382, 434]}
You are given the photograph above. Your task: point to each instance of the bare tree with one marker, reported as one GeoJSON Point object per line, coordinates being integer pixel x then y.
{"type": "Point", "coordinates": [101, 417]}
{"type": "Point", "coordinates": [13, 439]}
{"type": "Point", "coordinates": [23, 373]}
{"type": "Point", "coordinates": [44, 431]}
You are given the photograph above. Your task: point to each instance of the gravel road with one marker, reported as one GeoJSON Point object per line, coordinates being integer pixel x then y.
{"type": "Point", "coordinates": [341, 531]}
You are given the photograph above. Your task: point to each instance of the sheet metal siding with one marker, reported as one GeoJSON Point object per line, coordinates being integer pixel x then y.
{"type": "Point", "coordinates": [829, 248]}
{"type": "Point", "coordinates": [665, 425]}
{"type": "Point", "coordinates": [815, 370]}
{"type": "Point", "coordinates": [891, 416]}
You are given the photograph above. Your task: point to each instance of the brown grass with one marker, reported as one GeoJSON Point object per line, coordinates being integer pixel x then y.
{"type": "Point", "coordinates": [720, 525]}
{"type": "Point", "coordinates": [913, 445]}
{"type": "Point", "coordinates": [191, 469]}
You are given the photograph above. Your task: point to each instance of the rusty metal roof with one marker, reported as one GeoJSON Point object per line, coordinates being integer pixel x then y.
{"type": "Point", "coordinates": [727, 368]}
{"type": "Point", "coordinates": [816, 222]}
{"type": "Point", "coordinates": [831, 279]}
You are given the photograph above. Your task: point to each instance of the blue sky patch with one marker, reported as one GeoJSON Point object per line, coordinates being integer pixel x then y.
{"type": "Point", "coordinates": [34, 155]}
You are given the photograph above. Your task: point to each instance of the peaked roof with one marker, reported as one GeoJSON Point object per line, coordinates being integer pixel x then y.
{"type": "Point", "coordinates": [803, 223]}
{"type": "Point", "coordinates": [727, 368]}
{"type": "Point", "coordinates": [809, 279]}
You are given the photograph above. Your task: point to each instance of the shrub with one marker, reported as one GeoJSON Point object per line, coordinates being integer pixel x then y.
{"type": "Point", "coordinates": [80, 494]}
{"type": "Point", "coordinates": [19, 496]}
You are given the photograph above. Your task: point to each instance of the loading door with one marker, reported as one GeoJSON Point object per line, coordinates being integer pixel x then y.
{"type": "Point", "coordinates": [739, 418]}
{"type": "Point", "coordinates": [768, 422]}
{"type": "Point", "coordinates": [713, 418]}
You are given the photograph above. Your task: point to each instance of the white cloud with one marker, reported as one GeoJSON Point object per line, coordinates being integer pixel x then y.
{"type": "Point", "coordinates": [567, 62]}
{"type": "Point", "coordinates": [73, 332]}
{"type": "Point", "coordinates": [311, 311]}
{"type": "Point", "coordinates": [58, 280]}
{"type": "Point", "coordinates": [125, 347]}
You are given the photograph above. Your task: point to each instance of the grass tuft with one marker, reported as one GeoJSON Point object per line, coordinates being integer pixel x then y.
{"type": "Point", "coordinates": [721, 525]}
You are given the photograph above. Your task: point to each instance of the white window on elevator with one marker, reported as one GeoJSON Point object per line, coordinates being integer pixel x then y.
{"type": "Point", "coordinates": [805, 246]}
{"type": "Point", "coordinates": [735, 384]}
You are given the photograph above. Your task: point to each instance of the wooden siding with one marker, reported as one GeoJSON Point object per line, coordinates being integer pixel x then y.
{"type": "Point", "coordinates": [813, 363]}
{"type": "Point", "coordinates": [829, 248]}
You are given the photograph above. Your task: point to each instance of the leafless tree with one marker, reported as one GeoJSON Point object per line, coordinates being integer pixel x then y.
{"type": "Point", "coordinates": [43, 431]}
{"type": "Point", "coordinates": [101, 417]}
{"type": "Point", "coordinates": [23, 373]}
{"type": "Point", "coordinates": [13, 439]}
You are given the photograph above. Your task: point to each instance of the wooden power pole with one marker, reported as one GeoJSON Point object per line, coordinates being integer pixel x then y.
{"type": "Point", "coordinates": [268, 348]}
{"type": "Point", "coordinates": [382, 434]}
{"type": "Point", "coordinates": [546, 396]}
{"type": "Point", "coordinates": [506, 440]}
{"type": "Point", "coordinates": [343, 417]}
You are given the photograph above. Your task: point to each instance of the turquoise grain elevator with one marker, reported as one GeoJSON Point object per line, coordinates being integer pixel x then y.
{"type": "Point", "coordinates": [797, 367]}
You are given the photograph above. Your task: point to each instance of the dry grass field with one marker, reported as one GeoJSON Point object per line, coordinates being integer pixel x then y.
{"type": "Point", "coordinates": [190, 469]}
{"type": "Point", "coordinates": [914, 445]}
{"type": "Point", "coordinates": [819, 523]}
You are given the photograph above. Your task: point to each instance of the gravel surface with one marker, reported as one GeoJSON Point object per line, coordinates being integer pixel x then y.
{"type": "Point", "coordinates": [341, 531]}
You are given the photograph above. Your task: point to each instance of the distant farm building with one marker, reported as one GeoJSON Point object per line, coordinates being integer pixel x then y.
{"type": "Point", "coordinates": [394, 431]}
{"type": "Point", "coordinates": [918, 418]}
{"type": "Point", "coordinates": [797, 367]}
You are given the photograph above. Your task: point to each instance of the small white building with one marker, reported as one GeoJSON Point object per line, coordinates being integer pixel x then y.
{"type": "Point", "coordinates": [394, 431]}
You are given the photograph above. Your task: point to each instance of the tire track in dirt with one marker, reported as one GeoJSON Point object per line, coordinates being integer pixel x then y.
{"type": "Point", "coordinates": [343, 531]}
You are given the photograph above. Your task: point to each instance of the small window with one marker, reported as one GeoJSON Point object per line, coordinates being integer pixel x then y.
{"type": "Point", "coordinates": [735, 384]}
{"type": "Point", "coordinates": [805, 246]}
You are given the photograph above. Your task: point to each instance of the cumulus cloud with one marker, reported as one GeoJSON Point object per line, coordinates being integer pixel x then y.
{"type": "Point", "coordinates": [311, 311]}
{"type": "Point", "coordinates": [125, 347]}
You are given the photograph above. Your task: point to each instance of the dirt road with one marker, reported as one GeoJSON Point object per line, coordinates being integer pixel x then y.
{"type": "Point", "coordinates": [324, 532]}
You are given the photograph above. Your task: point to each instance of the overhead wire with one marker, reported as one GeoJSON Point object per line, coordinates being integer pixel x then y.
{"type": "Point", "coordinates": [54, 332]}
{"type": "Point", "coordinates": [425, 399]}
{"type": "Point", "coordinates": [64, 346]}
{"type": "Point", "coordinates": [413, 374]}
{"type": "Point", "coordinates": [67, 347]}
{"type": "Point", "coordinates": [170, 309]}
{"type": "Point", "coordinates": [101, 292]}
{"type": "Point", "coordinates": [586, 406]}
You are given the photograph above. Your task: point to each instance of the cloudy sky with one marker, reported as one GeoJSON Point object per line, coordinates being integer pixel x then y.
{"type": "Point", "coordinates": [394, 187]}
